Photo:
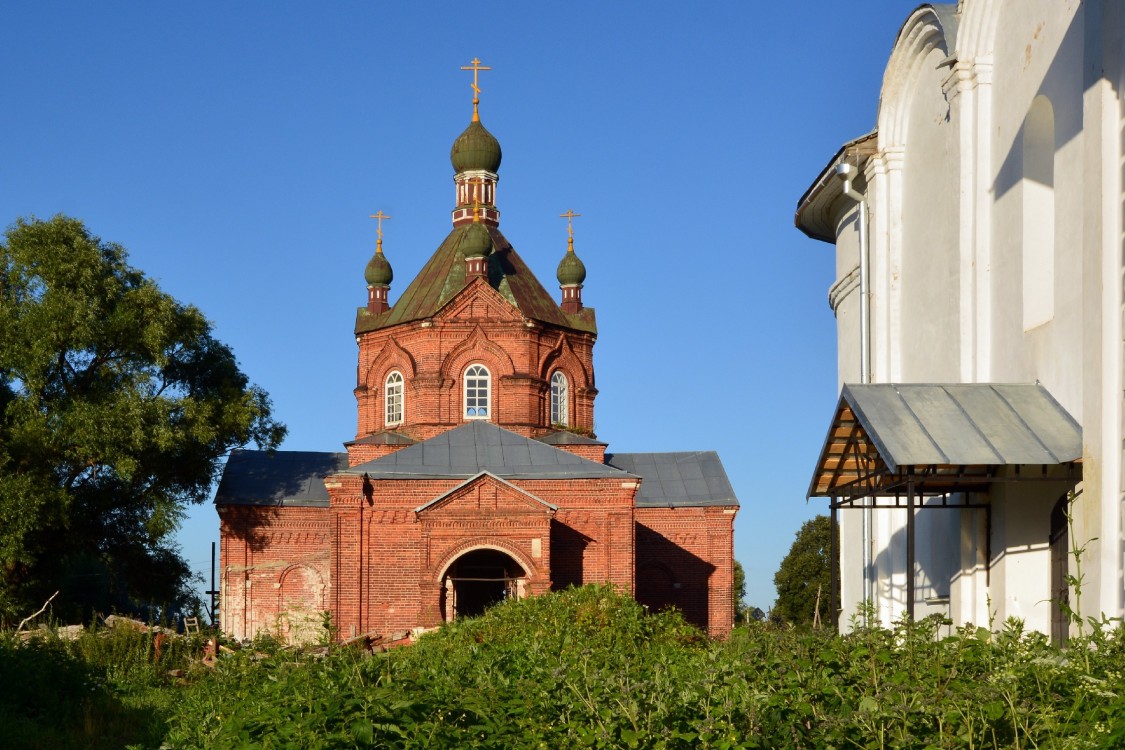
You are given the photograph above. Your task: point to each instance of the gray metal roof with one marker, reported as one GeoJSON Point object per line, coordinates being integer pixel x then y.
{"type": "Point", "coordinates": [965, 424]}
{"type": "Point", "coordinates": [562, 437]}
{"type": "Point", "coordinates": [481, 446]}
{"type": "Point", "coordinates": [295, 478]}
{"type": "Point", "coordinates": [386, 437]}
{"type": "Point", "coordinates": [687, 479]}
{"type": "Point", "coordinates": [289, 478]}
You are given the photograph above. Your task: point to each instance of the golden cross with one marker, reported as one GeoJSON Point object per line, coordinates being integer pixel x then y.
{"type": "Point", "coordinates": [379, 216]}
{"type": "Point", "coordinates": [569, 216]}
{"type": "Point", "coordinates": [476, 67]}
{"type": "Point", "coordinates": [476, 212]}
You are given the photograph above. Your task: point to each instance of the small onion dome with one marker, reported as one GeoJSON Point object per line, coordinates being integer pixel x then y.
{"type": "Point", "coordinates": [572, 271]}
{"type": "Point", "coordinates": [477, 243]}
{"type": "Point", "coordinates": [475, 149]}
{"type": "Point", "coordinates": [378, 272]}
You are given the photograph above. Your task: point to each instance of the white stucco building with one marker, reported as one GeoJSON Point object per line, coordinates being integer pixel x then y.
{"type": "Point", "coordinates": [981, 222]}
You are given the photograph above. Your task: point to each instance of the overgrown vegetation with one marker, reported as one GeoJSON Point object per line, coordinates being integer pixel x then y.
{"type": "Point", "coordinates": [108, 688]}
{"type": "Point", "coordinates": [584, 668]}
{"type": "Point", "coordinates": [117, 405]}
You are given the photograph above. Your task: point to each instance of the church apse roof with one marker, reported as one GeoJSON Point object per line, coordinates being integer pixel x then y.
{"type": "Point", "coordinates": [444, 276]}
{"type": "Point", "coordinates": [278, 478]}
{"type": "Point", "coordinates": [478, 446]}
{"type": "Point", "coordinates": [677, 480]}
{"type": "Point", "coordinates": [296, 478]}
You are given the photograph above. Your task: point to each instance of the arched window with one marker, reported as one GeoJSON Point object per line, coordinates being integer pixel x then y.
{"type": "Point", "coordinates": [392, 398]}
{"type": "Point", "coordinates": [560, 399]}
{"type": "Point", "coordinates": [478, 392]}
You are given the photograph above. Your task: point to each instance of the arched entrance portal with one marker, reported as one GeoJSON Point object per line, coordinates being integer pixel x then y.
{"type": "Point", "coordinates": [479, 579]}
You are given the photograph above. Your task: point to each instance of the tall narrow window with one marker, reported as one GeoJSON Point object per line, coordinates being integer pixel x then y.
{"type": "Point", "coordinates": [478, 392]}
{"type": "Point", "coordinates": [393, 399]}
{"type": "Point", "coordinates": [1038, 185]}
{"type": "Point", "coordinates": [560, 398]}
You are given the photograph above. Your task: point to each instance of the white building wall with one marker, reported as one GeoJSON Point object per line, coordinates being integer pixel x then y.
{"type": "Point", "coordinates": [928, 348]}
{"type": "Point", "coordinates": [954, 249]}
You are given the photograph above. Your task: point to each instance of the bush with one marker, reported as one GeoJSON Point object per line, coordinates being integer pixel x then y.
{"type": "Point", "coordinates": [104, 689]}
{"type": "Point", "coordinates": [582, 668]}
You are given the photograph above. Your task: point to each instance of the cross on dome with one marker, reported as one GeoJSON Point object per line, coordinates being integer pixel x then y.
{"type": "Point", "coordinates": [569, 216]}
{"type": "Point", "coordinates": [379, 216]}
{"type": "Point", "coordinates": [476, 67]}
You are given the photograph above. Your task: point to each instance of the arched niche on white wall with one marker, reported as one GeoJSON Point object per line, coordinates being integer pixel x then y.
{"type": "Point", "coordinates": [1037, 185]}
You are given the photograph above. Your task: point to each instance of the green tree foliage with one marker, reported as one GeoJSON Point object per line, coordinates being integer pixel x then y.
{"type": "Point", "coordinates": [803, 571]}
{"type": "Point", "coordinates": [116, 407]}
{"type": "Point", "coordinates": [739, 590]}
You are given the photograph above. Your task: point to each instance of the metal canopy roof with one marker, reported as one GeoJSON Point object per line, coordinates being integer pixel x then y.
{"type": "Point", "coordinates": [954, 436]}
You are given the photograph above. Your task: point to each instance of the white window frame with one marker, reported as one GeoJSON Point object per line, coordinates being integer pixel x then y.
{"type": "Point", "coordinates": [394, 399]}
{"type": "Point", "coordinates": [477, 379]}
{"type": "Point", "coordinates": [560, 399]}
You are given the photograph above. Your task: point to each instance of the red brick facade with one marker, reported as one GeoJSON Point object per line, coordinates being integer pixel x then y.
{"type": "Point", "coordinates": [392, 548]}
{"type": "Point", "coordinates": [477, 326]}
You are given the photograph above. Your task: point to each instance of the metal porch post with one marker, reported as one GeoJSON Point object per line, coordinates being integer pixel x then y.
{"type": "Point", "coordinates": [910, 543]}
{"type": "Point", "coordinates": [833, 565]}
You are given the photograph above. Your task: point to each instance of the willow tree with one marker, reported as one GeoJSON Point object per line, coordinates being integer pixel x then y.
{"type": "Point", "coordinates": [117, 406]}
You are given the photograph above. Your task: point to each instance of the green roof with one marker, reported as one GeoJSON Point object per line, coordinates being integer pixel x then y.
{"type": "Point", "coordinates": [474, 149]}
{"type": "Point", "coordinates": [378, 271]}
{"type": "Point", "coordinates": [444, 276]}
{"type": "Point", "coordinates": [572, 270]}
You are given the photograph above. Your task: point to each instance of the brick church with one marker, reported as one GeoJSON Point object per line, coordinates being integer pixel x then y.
{"type": "Point", "coordinates": [474, 474]}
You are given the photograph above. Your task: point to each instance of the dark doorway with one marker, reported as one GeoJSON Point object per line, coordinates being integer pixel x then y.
{"type": "Point", "coordinates": [656, 587]}
{"type": "Point", "coordinates": [1060, 561]}
{"type": "Point", "coordinates": [479, 579]}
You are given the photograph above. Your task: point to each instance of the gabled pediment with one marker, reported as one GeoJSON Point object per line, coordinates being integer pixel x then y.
{"type": "Point", "coordinates": [479, 302]}
{"type": "Point", "coordinates": [486, 495]}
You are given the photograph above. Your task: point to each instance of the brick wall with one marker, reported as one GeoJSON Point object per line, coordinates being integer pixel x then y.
{"type": "Point", "coordinates": [685, 559]}
{"type": "Point", "coordinates": [477, 326]}
{"type": "Point", "coordinates": [275, 574]}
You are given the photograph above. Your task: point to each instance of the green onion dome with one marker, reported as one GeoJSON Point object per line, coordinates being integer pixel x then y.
{"type": "Point", "coordinates": [572, 271]}
{"type": "Point", "coordinates": [378, 272]}
{"type": "Point", "coordinates": [475, 149]}
{"type": "Point", "coordinates": [477, 242]}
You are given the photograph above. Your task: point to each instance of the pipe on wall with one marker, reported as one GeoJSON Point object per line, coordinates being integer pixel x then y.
{"type": "Point", "coordinates": [847, 173]}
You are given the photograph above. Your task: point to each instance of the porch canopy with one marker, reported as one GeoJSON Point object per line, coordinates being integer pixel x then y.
{"type": "Point", "coordinates": [904, 441]}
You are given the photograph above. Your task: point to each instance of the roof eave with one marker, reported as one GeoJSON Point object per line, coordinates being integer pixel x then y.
{"type": "Point", "coordinates": [814, 209]}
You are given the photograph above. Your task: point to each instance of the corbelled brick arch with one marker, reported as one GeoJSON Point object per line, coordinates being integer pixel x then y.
{"type": "Point", "coordinates": [477, 348]}
{"type": "Point", "coordinates": [533, 580]}
{"type": "Point", "coordinates": [369, 394]}
{"type": "Point", "coordinates": [300, 603]}
{"type": "Point", "coordinates": [562, 357]}
{"type": "Point", "coordinates": [499, 544]}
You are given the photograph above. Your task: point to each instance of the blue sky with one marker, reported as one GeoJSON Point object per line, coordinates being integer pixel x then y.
{"type": "Point", "coordinates": [236, 150]}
